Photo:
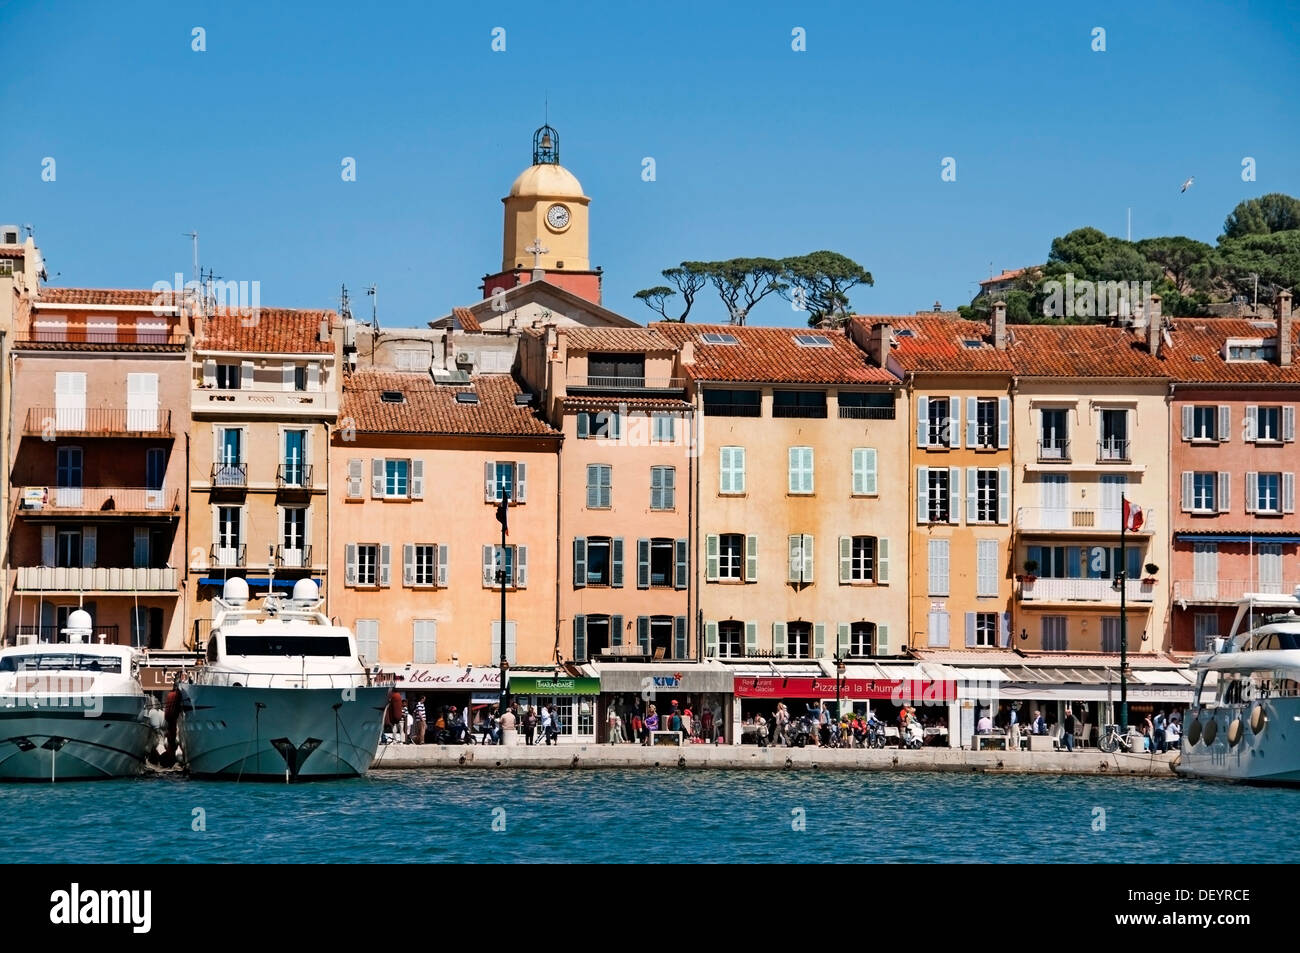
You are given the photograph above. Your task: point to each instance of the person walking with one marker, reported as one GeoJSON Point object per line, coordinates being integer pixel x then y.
{"type": "Point", "coordinates": [530, 725]}
{"type": "Point", "coordinates": [782, 719]}
{"type": "Point", "coordinates": [421, 716]}
{"type": "Point", "coordinates": [545, 725]}
{"type": "Point", "coordinates": [1159, 736]}
{"type": "Point", "coordinates": [1013, 729]}
{"type": "Point", "coordinates": [1067, 727]}
{"type": "Point", "coordinates": [553, 733]}
{"type": "Point", "coordinates": [615, 727]}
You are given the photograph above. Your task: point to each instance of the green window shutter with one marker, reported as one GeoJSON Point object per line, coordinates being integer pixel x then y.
{"type": "Point", "coordinates": [579, 562]}
{"type": "Point", "coordinates": [751, 559]}
{"type": "Point", "coordinates": [778, 637]}
{"type": "Point", "coordinates": [643, 633]}
{"type": "Point", "coordinates": [794, 568]}
{"type": "Point", "coordinates": [842, 635]}
{"type": "Point", "coordinates": [710, 639]}
{"type": "Point", "coordinates": [882, 640]}
{"type": "Point", "coordinates": [751, 638]}
{"type": "Point", "coordinates": [882, 560]}
{"type": "Point", "coordinates": [859, 476]}
{"type": "Point", "coordinates": [580, 638]}
{"type": "Point", "coordinates": [819, 640]}
{"type": "Point", "coordinates": [616, 562]}
{"type": "Point", "coordinates": [616, 630]}
{"type": "Point", "coordinates": [680, 580]}
{"type": "Point", "coordinates": [584, 426]}
{"type": "Point", "coordinates": [679, 637]}
{"type": "Point", "coordinates": [643, 564]}
{"type": "Point", "coordinates": [711, 558]}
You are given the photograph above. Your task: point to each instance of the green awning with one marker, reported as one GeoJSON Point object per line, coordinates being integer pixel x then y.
{"type": "Point", "coordinates": [531, 685]}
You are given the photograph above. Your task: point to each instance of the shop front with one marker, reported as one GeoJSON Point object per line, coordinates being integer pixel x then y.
{"type": "Point", "coordinates": [571, 699]}
{"type": "Point", "coordinates": [472, 689]}
{"type": "Point", "coordinates": [702, 689]}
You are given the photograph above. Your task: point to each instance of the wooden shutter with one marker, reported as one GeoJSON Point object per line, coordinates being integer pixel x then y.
{"type": "Point", "coordinates": [881, 646]}
{"type": "Point", "coordinates": [521, 567]}
{"type": "Point", "coordinates": [922, 494]}
{"type": "Point", "coordinates": [1004, 423]}
{"type": "Point", "coordinates": [680, 564]}
{"type": "Point", "coordinates": [286, 376]}
{"type": "Point", "coordinates": [1225, 423]}
{"type": "Point", "coordinates": [843, 632]}
{"type": "Point", "coordinates": [377, 476]}
{"type": "Point", "coordinates": [1189, 418]}
{"type": "Point", "coordinates": [656, 488]}
{"type": "Point", "coordinates": [922, 421]}
{"type": "Point", "coordinates": [385, 567]}
{"type": "Point", "coordinates": [679, 628]}
{"type": "Point", "coordinates": [209, 372]}
{"type": "Point", "coordinates": [954, 422]}
{"type": "Point", "coordinates": [593, 486]}
{"type": "Point", "coordinates": [1225, 492]}
{"type": "Point", "coordinates": [356, 476]}
{"type": "Point", "coordinates": [489, 566]}
{"type": "Point", "coordinates": [643, 564]}
{"type": "Point", "coordinates": [710, 640]}
{"type": "Point", "coordinates": [846, 560]}
{"type": "Point", "coordinates": [1188, 488]}
{"type": "Point", "coordinates": [584, 426]}
{"type": "Point", "coordinates": [970, 630]}
{"type": "Point", "coordinates": [1252, 491]}
{"type": "Point", "coordinates": [972, 494]}
{"type": "Point", "coordinates": [778, 637]}
{"type": "Point", "coordinates": [1288, 423]}
{"type": "Point", "coordinates": [350, 564]}
{"type": "Point", "coordinates": [882, 560]}
{"type": "Point", "coordinates": [616, 562]}
{"type": "Point", "coordinates": [246, 375]}
{"type": "Point", "coordinates": [408, 564]}
{"type": "Point", "coordinates": [1004, 630]}
{"type": "Point", "coordinates": [1004, 495]}
{"type": "Point", "coordinates": [751, 559]}
{"type": "Point", "coordinates": [972, 421]}
{"type": "Point", "coordinates": [794, 567]}
{"type": "Point", "coordinates": [442, 566]}
{"type": "Point", "coordinates": [1252, 421]}
{"type": "Point", "coordinates": [521, 482]}
{"type": "Point", "coordinates": [751, 638]}
{"type": "Point", "coordinates": [819, 640]}
{"type": "Point", "coordinates": [711, 558]}
{"type": "Point", "coordinates": [580, 638]}
{"type": "Point", "coordinates": [807, 548]}
{"type": "Point", "coordinates": [313, 378]}
{"type": "Point", "coordinates": [1288, 492]}
{"type": "Point", "coordinates": [489, 481]}
{"type": "Point", "coordinates": [954, 494]}
{"type": "Point", "coordinates": [417, 479]}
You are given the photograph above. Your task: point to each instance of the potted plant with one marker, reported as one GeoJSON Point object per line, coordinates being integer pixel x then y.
{"type": "Point", "coordinates": [1150, 578]}
{"type": "Point", "coordinates": [1031, 570]}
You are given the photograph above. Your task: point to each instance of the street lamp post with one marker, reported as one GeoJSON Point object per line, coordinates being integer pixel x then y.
{"type": "Point", "coordinates": [503, 508]}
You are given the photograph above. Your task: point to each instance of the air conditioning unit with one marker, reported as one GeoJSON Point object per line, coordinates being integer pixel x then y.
{"type": "Point", "coordinates": [464, 357]}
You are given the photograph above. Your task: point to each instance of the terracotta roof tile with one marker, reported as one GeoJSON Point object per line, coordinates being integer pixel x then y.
{"type": "Point", "coordinates": [1005, 276]}
{"type": "Point", "coordinates": [1082, 350]}
{"type": "Point", "coordinates": [634, 403]}
{"type": "Point", "coordinates": [1197, 354]}
{"type": "Point", "coordinates": [432, 408]}
{"type": "Point", "coordinates": [268, 330]}
{"type": "Point", "coordinates": [770, 355]}
{"type": "Point", "coordinates": [467, 319]}
{"type": "Point", "coordinates": [617, 339]}
{"type": "Point", "coordinates": [935, 344]}
{"type": "Point", "coordinates": [12, 251]}
{"type": "Point", "coordinates": [126, 297]}
{"type": "Point", "coordinates": [91, 346]}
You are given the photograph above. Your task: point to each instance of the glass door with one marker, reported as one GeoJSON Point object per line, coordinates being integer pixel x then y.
{"type": "Point", "coordinates": [68, 477]}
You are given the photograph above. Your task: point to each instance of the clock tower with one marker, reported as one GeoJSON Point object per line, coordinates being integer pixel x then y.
{"type": "Point", "coordinates": [545, 233]}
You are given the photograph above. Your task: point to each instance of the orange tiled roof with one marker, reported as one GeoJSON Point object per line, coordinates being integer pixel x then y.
{"type": "Point", "coordinates": [467, 319]}
{"type": "Point", "coordinates": [125, 297]}
{"type": "Point", "coordinates": [1005, 276]}
{"type": "Point", "coordinates": [1198, 348]}
{"type": "Point", "coordinates": [269, 330]}
{"type": "Point", "coordinates": [770, 355]}
{"type": "Point", "coordinates": [935, 344]}
{"type": "Point", "coordinates": [617, 339]}
{"type": "Point", "coordinates": [1082, 350]}
{"type": "Point", "coordinates": [12, 251]}
{"type": "Point", "coordinates": [431, 408]}
{"type": "Point", "coordinates": [632, 403]}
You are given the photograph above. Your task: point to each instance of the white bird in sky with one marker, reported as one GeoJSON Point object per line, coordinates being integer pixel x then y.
{"type": "Point", "coordinates": [1188, 184]}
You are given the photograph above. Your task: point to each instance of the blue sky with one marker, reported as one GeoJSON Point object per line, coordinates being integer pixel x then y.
{"type": "Point", "coordinates": [759, 150]}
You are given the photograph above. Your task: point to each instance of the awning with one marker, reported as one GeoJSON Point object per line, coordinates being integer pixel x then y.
{"type": "Point", "coordinates": [713, 679]}
{"type": "Point", "coordinates": [1234, 538]}
{"type": "Point", "coordinates": [796, 686]}
{"type": "Point", "coordinates": [255, 583]}
{"type": "Point", "coordinates": [541, 685]}
{"type": "Point", "coordinates": [1169, 694]}
{"type": "Point", "coordinates": [1160, 677]}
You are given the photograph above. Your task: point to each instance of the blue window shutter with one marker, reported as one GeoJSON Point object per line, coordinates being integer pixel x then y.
{"type": "Point", "coordinates": [643, 633]}
{"type": "Point", "coordinates": [970, 630]}
{"type": "Point", "coordinates": [580, 638]}
{"type": "Point", "coordinates": [584, 426]}
{"type": "Point", "coordinates": [643, 564]}
{"type": "Point", "coordinates": [579, 562]}
{"type": "Point", "coordinates": [680, 580]}
{"type": "Point", "coordinates": [616, 562]}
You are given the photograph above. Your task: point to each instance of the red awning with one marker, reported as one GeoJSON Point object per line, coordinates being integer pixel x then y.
{"type": "Point", "coordinates": [886, 689]}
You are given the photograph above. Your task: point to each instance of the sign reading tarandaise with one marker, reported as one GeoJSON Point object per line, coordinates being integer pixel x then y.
{"type": "Point", "coordinates": [529, 685]}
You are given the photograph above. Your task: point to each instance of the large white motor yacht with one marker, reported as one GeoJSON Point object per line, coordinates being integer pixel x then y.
{"type": "Point", "coordinates": [283, 693]}
{"type": "Point", "coordinates": [72, 710]}
{"type": "Point", "coordinates": [1251, 732]}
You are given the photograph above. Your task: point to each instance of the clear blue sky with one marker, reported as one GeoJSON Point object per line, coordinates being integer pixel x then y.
{"type": "Point", "coordinates": [760, 150]}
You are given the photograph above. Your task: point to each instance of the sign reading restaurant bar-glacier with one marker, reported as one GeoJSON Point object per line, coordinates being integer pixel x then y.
{"type": "Point", "coordinates": [897, 689]}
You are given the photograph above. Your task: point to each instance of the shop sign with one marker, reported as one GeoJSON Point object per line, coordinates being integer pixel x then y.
{"type": "Point", "coordinates": [528, 685]}
{"type": "Point", "coordinates": [453, 677]}
{"type": "Point", "coordinates": [922, 691]}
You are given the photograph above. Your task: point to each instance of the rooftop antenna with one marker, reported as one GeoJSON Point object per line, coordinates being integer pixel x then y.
{"type": "Point", "coordinates": [1129, 232]}
{"type": "Point", "coordinates": [345, 310]}
{"type": "Point", "coordinates": [373, 292]}
{"type": "Point", "coordinates": [31, 232]}
{"type": "Point", "coordinates": [194, 237]}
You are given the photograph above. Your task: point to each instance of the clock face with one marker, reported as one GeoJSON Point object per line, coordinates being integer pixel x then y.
{"type": "Point", "coordinates": [557, 216]}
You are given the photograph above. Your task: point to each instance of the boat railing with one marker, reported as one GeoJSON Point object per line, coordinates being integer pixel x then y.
{"type": "Point", "coordinates": [337, 680]}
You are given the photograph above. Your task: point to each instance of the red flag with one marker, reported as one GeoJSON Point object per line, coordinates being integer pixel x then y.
{"type": "Point", "coordinates": [1132, 517]}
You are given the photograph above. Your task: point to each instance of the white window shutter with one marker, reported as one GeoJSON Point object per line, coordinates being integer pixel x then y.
{"type": "Point", "coordinates": [778, 637]}
{"type": "Point", "coordinates": [489, 481]}
{"type": "Point", "coordinates": [1225, 423]}
{"type": "Point", "coordinates": [246, 375]}
{"type": "Point", "coordinates": [417, 479]}
{"type": "Point", "coordinates": [1288, 492]}
{"type": "Point", "coordinates": [350, 564]}
{"type": "Point", "coordinates": [1252, 491]}
{"type": "Point", "coordinates": [1288, 423]}
{"type": "Point", "coordinates": [859, 477]}
{"type": "Point", "coordinates": [385, 565]}
{"type": "Point", "coordinates": [711, 558]}
{"type": "Point", "coordinates": [954, 422]}
{"type": "Point", "coordinates": [408, 564]}
{"type": "Point", "coordinates": [954, 494]}
{"type": "Point", "coordinates": [807, 548]}
{"type": "Point", "coordinates": [1004, 423]}
{"type": "Point", "coordinates": [922, 421]}
{"type": "Point", "coordinates": [809, 484]}
{"type": "Point", "coordinates": [795, 562]}
{"type": "Point", "coordinates": [377, 476]}
{"type": "Point", "coordinates": [882, 560]}
{"type": "Point", "coordinates": [313, 376]}
{"type": "Point", "coordinates": [846, 560]}
{"type": "Point", "coordinates": [1189, 487]}
{"type": "Point", "coordinates": [356, 478]}
{"type": "Point", "coordinates": [793, 480]}
{"type": "Point", "coordinates": [819, 640]}
{"type": "Point", "coordinates": [1189, 413]}
{"type": "Point", "coordinates": [489, 566]}
{"type": "Point", "coordinates": [48, 555]}
{"type": "Point", "coordinates": [1004, 495]}
{"type": "Point", "coordinates": [751, 559]}
{"type": "Point", "coordinates": [442, 566]}
{"type": "Point", "coordinates": [209, 372]}
{"type": "Point", "coordinates": [724, 470]}
{"type": "Point", "coordinates": [521, 567]}
{"type": "Point", "coordinates": [1225, 492]}
{"type": "Point", "coordinates": [521, 482]}
{"type": "Point", "coordinates": [737, 469]}
{"type": "Point", "coordinates": [286, 376]}
{"type": "Point", "coordinates": [869, 471]}
{"type": "Point", "coordinates": [923, 494]}
{"type": "Point", "coordinates": [972, 421]}
{"type": "Point", "coordinates": [1251, 422]}
{"type": "Point", "coordinates": [972, 494]}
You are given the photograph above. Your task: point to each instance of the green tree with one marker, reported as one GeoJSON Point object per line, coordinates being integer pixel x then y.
{"type": "Point", "coordinates": [744, 282]}
{"type": "Point", "coordinates": [1274, 257]}
{"type": "Point", "coordinates": [820, 282]}
{"type": "Point", "coordinates": [656, 298]}
{"type": "Point", "coordinates": [1274, 212]}
{"type": "Point", "coordinates": [689, 278]}
{"type": "Point", "coordinates": [1090, 254]}
{"type": "Point", "coordinates": [1186, 263]}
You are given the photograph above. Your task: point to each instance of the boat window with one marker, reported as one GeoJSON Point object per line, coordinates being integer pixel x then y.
{"type": "Point", "coordinates": [212, 650]}
{"type": "Point", "coordinates": [48, 662]}
{"type": "Point", "coordinates": [332, 646]}
{"type": "Point", "coordinates": [1278, 640]}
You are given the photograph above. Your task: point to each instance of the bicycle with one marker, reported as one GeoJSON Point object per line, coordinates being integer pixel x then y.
{"type": "Point", "coordinates": [1111, 740]}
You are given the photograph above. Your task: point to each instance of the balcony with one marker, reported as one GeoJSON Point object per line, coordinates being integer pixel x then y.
{"type": "Point", "coordinates": [1228, 591]}
{"type": "Point", "coordinates": [1112, 450]}
{"type": "Point", "coordinates": [230, 476]}
{"type": "Point", "coordinates": [227, 557]}
{"type": "Point", "coordinates": [98, 501]}
{"type": "Point", "coordinates": [294, 478]}
{"type": "Point", "coordinates": [866, 413]}
{"type": "Point", "coordinates": [31, 634]}
{"type": "Point", "coordinates": [96, 579]}
{"type": "Point", "coordinates": [1074, 521]}
{"type": "Point", "coordinates": [1085, 590]}
{"type": "Point", "coordinates": [1054, 450]}
{"type": "Point", "coordinates": [127, 337]}
{"type": "Point", "coordinates": [624, 382]}
{"type": "Point", "coordinates": [213, 400]}
{"type": "Point", "coordinates": [97, 422]}
{"type": "Point", "coordinates": [293, 558]}
{"type": "Point", "coordinates": [732, 410]}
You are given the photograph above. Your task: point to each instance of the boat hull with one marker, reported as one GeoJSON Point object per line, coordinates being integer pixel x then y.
{"type": "Point", "coordinates": [108, 736]}
{"type": "Point", "coordinates": [1270, 757]}
{"type": "Point", "coordinates": [280, 734]}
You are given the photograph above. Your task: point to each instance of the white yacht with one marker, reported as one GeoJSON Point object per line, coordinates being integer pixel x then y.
{"type": "Point", "coordinates": [72, 710]}
{"type": "Point", "coordinates": [1251, 732]}
{"type": "Point", "coordinates": [283, 693]}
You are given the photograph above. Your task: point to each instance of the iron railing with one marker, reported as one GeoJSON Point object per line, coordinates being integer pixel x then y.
{"type": "Point", "coordinates": [101, 500]}
{"type": "Point", "coordinates": [232, 475]}
{"type": "Point", "coordinates": [98, 421]}
{"type": "Point", "coordinates": [1054, 448]}
{"type": "Point", "coordinates": [293, 558]}
{"type": "Point", "coordinates": [293, 476]}
{"type": "Point", "coordinates": [228, 557]}
{"type": "Point", "coordinates": [24, 634]}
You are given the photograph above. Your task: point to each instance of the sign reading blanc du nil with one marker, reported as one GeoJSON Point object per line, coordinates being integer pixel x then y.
{"type": "Point", "coordinates": [528, 685]}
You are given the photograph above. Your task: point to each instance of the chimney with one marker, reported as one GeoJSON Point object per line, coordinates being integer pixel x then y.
{"type": "Point", "coordinates": [324, 330]}
{"type": "Point", "coordinates": [882, 339]}
{"type": "Point", "coordinates": [1000, 325]}
{"type": "Point", "coordinates": [1282, 308]}
{"type": "Point", "coordinates": [687, 352]}
{"type": "Point", "coordinates": [1155, 324]}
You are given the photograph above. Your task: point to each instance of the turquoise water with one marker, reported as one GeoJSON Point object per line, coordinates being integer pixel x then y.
{"type": "Point", "coordinates": [639, 816]}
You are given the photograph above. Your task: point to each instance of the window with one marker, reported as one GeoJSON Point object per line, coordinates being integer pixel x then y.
{"type": "Point", "coordinates": [68, 549]}
{"type": "Point", "coordinates": [397, 478]}
{"type": "Point", "coordinates": [860, 552]}
{"type": "Point", "coordinates": [732, 403]}
{"type": "Point", "coordinates": [499, 477]}
{"type": "Point", "coordinates": [591, 635]}
{"type": "Point", "coordinates": [1053, 436]}
{"type": "Point", "coordinates": [662, 563]}
{"type": "Point", "coordinates": [712, 338]}
{"type": "Point", "coordinates": [801, 470]}
{"type": "Point", "coordinates": [1110, 639]}
{"type": "Point", "coordinates": [599, 564]}
{"type": "Point", "coordinates": [230, 457]}
{"type": "Point", "coordinates": [1054, 634]}
{"type": "Point", "coordinates": [731, 556]}
{"type": "Point", "coordinates": [798, 639]}
{"type": "Point", "coordinates": [1205, 423]}
{"type": "Point", "coordinates": [295, 457]}
{"type": "Point", "coordinates": [938, 422]}
{"type": "Point", "coordinates": [812, 340]}
{"type": "Point", "coordinates": [367, 564]}
{"type": "Point", "coordinates": [392, 397]}
{"type": "Point", "coordinates": [864, 471]}
{"type": "Point", "coordinates": [598, 486]}
{"type": "Point", "coordinates": [986, 567]}
{"type": "Point", "coordinates": [1205, 625]}
{"type": "Point", "coordinates": [731, 640]}
{"type": "Point", "coordinates": [615, 370]}
{"type": "Point", "coordinates": [865, 406]}
{"type": "Point", "coordinates": [937, 629]}
{"type": "Point", "coordinates": [228, 377]}
{"type": "Point", "coordinates": [367, 632]}
{"type": "Point", "coordinates": [731, 480]}
{"type": "Point", "coordinates": [799, 403]}
{"type": "Point", "coordinates": [663, 488]}
{"type": "Point", "coordinates": [293, 536]}
{"type": "Point", "coordinates": [1203, 487]}
{"type": "Point", "coordinates": [155, 468]}
{"type": "Point", "coordinates": [862, 637]}
{"type": "Point", "coordinates": [424, 564]}
{"type": "Point", "coordinates": [660, 636]}
{"type": "Point", "coordinates": [424, 635]}
{"type": "Point", "coordinates": [1268, 493]}
{"type": "Point", "coordinates": [986, 424]}
{"type": "Point", "coordinates": [607, 424]}
{"type": "Point", "coordinates": [983, 629]}
{"type": "Point", "coordinates": [938, 559]}
{"type": "Point", "coordinates": [300, 377]}
{"type": "Point", "coordinates": [1114, 435]}
{"type": "Point", "coordinates": [503, 480]}
{"type": "Point", "coordinates": [68, 473]}
{"type": "Point", "coordinates": [1251, 351]}
{"type": "Point", "coordinates": [663, 428]}
{"type": "Point", "coordinates": [1083, 562]}
{"type": "Point", "coordinates": [230, 533]}
{"type": "Point", "coordinates": [986, 497]}
{"type": "Point", "coordinates": [512, 560]}
{"type": "Point", "coordinates": [936, 497]}
{"type": "Point", "coordinates": [801, 560]}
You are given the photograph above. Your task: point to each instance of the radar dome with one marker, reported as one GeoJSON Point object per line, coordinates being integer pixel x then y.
{"type": "Point", "coordinates": [304, 590]}
{"type": "Point", "coordinates": [235, 591]}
